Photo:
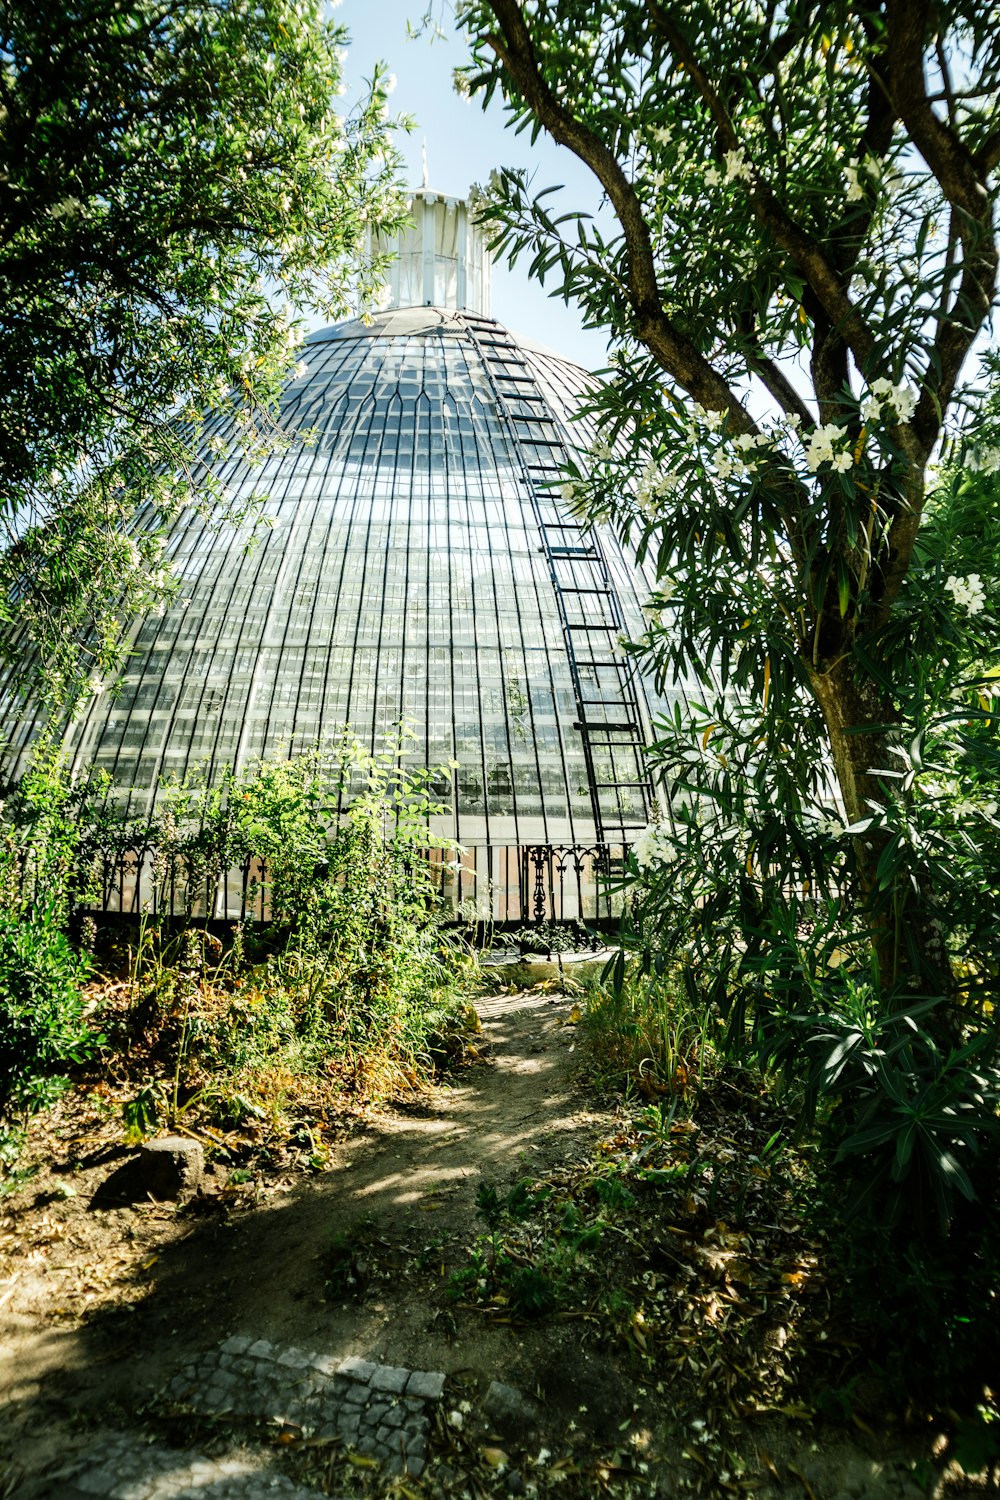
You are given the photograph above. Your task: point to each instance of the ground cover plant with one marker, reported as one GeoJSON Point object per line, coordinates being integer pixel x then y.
{"type": "Point", "coordinates": [351, 992]}
{"type": "Point", "coordinates": [699, 1240]}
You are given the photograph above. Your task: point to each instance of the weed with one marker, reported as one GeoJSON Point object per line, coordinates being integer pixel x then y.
{"type": "Point", "coordinates": [646, 1037]}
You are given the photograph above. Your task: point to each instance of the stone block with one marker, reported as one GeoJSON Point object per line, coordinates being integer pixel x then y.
{"type": "Point", "coordinates": [171, 1167]}
{"type": "Point", "coordinates": [357, 1369]}
{"type": "Point", "coordinates": [389, 1378]}
{"type": "Point", "coordinates": [427, 1384]}
{"type": "Point", "coordinates": [506, 1407]}
{"type": "Point", "coordinates": [237, 1343]}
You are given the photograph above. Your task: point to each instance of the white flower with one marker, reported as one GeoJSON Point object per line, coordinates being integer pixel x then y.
{"type": "Point", "coordinates": [650, 846]}
{"type": "Point", "coordinates": [902, 398]}
{"type": "Point", "coordinates": [543, 1457]}
{"type": "Point", "coordinates": [737, 167]}
{"type": "Point", "coordinates": [987, 460]}
{"type": "Point", "coordinates": [854, 188]}
{"type": "Point", "coordinates": [820, 446]}
{"type": "Point", "coordinates": [712, 176]}
{"type": "Point", "coordinates": [727, 467]}
{"type": "Point", "coordinates": [712, 420]}
{"type": "Point", "coordinates": [661, 134]}
{"type": "Point", "coordinates": [95, 685]}
{"type": "Point", "coordinates": [968, 593]}
{"type": "Point", "coordinates": [568, 491]}
{"type": "Point", "coordinates": [842, 461]}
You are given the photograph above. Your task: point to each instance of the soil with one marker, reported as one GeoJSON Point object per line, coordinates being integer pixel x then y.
{"type": "Point", "coordinates": [99, 1304]}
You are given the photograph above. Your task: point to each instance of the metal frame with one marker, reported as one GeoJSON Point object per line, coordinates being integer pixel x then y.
{"type": "Point", "coordinates": [578, 570]}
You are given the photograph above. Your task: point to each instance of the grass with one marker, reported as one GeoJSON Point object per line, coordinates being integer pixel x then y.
{"type": "Point", "coordinates": [646, 1038]}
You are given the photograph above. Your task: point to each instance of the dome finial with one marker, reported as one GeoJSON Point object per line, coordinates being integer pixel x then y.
{"type": "Point", "coordinates": [424, 182]}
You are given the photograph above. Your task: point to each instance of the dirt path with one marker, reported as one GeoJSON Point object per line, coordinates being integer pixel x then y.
{"type": "Point", "coordinates": [155, 1286]}
{"type": "Point", "coordinates": [106, 1311]}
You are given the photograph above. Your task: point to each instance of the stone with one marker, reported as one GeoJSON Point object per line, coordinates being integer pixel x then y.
{"type": "Point", "coordinates": [295, 1359]}
{"type": "Point", "coordinates": [171, 1167]}
{"type": "Point", "coordinates": [507, 1407]}
{"type": "Point", "coordinates": [389, 1378]}
{"type": "Point", "coordinates": [237, 1343]}
{"type": "Point", "coordinates": [357, 1369]}
{"type": "Point", "coordinates": [427, 1384]}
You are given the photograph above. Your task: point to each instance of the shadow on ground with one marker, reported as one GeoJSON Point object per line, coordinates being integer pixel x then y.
{"type": "Point", "coordinates": [409, 1188]}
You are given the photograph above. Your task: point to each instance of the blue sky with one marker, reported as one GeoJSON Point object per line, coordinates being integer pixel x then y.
{"type": "Point", "coordinates": [463, 144]}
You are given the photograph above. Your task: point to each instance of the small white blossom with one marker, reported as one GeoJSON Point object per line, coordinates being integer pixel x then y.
{"type": "Point", "coordinates": [986, 461]}
{"type": "Point", "coordinates": [820, 446]}
{"type": "Point", "coordinates": [854, 189]}
{"type": "Point", "coordinates": [831, 828]}
{"type": "Point", "coordinates": [651, 846]}
{"type": "Point", "coordinates": [737, 167]}
{"type": "Point", "coordinates": [967, 593]}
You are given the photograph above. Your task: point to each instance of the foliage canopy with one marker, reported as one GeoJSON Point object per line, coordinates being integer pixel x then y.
{"type": "Point", "coordinates": [795, 257]}
{"type": "Point", "coordinates": [174, 179]}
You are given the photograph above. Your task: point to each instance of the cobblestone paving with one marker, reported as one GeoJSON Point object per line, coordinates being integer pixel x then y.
{"type": "Point", "coordinates": [381, 1411]}
{"type": "Point", "coordinates": [129, 1469]}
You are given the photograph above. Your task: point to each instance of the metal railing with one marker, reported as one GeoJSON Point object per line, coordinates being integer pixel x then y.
{"type": "Point", "coordinates": [486, 885]}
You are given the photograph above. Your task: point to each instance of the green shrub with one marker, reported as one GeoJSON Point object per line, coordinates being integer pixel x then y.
{"type": "Point", "coordinates": [41, 1025]}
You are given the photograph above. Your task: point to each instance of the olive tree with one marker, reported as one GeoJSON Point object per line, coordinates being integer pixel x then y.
{"type": "Point", "coordinates": [176, 182]}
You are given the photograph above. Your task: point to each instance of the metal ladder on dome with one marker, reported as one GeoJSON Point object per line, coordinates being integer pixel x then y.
{"type": "Point", "coordinates": [587, 602]}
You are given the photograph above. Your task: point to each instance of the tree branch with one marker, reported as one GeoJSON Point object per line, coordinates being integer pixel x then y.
{"type": "Point", "coordinates": [962, 181]}
{"type": "Point", "coordinates": [677, 355]}
{"type": "Point", "coordinates": [803, 249]}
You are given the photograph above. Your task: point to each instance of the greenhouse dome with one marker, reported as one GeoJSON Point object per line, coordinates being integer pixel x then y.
{"type": "Point", "coordinates": [419, 565]}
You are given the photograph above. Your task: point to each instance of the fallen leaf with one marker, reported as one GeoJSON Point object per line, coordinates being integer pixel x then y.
{"type": "Point", "coordinates": [768, 1463]}
{"type": "Point", "coordinates": [495, 1457]}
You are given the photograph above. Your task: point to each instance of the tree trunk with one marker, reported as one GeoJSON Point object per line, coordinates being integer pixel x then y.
{"type": "Point", "coordinates": [857, 721]}
{"type": "Point", "coordinates": [858, 751]}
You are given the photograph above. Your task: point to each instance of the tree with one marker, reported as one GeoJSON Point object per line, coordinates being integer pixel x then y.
{"type": "Point", "coordinates": [795, 257]}
{"type": "Point", "coordinates": [804, 245]}
{"type": "Point", "coordinates": [174, 181]}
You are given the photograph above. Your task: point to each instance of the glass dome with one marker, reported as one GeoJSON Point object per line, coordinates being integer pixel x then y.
{"type": "Point", "coordinates": [418, 564]}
